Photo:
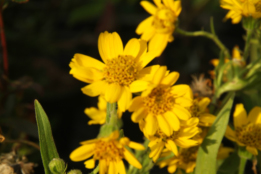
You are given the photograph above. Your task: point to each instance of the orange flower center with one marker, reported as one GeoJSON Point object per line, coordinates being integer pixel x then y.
{"type": "Point", "coordinates": [194, 109]}
{"type": "Point", "coordinates": [164, 20]}
{"type": "Point", "coordinates": [189, 155]}
{"type": "Point", "coordinates": [258, 6]}
{"type": "Point", "coordinates": [159, 100]}
{"type": "Point", "coordinates": [249, 135]}
{"type": "Point", "coordinates": [121, 70]}
{"type": "Point", "coordinates": [107, 150]}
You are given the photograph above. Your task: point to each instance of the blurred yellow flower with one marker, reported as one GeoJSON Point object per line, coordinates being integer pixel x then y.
{"type": "Point", "coordinates": [186, 158]}
{"type": "Point", "coordinates": [122, 67]}
{"type": "Point", "coordinates": [161, 105]}
{"type": "Point", "coordinates": [98, 116]}
{"type": "Point", "coordinates": [159, 27]}
{"type": "Point", "coordinates": [109, 151]}
{"type": "Point", "coordinates": [239, 8]}
{"type": "Point", "coordinates": [181, 138]}
{"type": "Point", "coordinates": [247, 128]}
{"type": "Point", "coordinates": [199, 110]}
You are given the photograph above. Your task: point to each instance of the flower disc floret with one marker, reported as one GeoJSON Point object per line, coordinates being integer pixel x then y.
{"type": "Point", "coordinates": [121, 70]}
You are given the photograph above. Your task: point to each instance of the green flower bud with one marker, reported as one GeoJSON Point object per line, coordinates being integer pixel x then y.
{"type": "Point", "coordinates": [75, 171]}
{"type": "Point", "coordinates": [57, 166]}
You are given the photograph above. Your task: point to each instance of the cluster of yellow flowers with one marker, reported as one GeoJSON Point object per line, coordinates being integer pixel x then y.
{"type": "Point", "coordinates": [170, 116]}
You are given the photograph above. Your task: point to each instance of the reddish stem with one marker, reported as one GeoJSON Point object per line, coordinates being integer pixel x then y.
{"type": "Point", "coordinates": [3, 42]}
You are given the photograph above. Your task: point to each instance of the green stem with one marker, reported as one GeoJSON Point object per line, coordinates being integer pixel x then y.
{"type": "Point", "coordinates": [253, 50]}
{"type": "Point", "coordinates": [247, 44]}
{"type": "Point", "coordinates": [205, 34]}
{"type": "Point", "coordinates": [242, 165]}
{"type": "Point", "coordinates": [111, 110]}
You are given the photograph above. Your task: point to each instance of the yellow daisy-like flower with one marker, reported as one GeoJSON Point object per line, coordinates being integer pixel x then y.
{"type": "Point", "coordinates": [161, 105]}
{"type": "Point", "coordinates": [239, 8]}
{"type": "Point", "coordinates": [159, 27]}
{"type": "Point", "coordinates": [120, 69]}
{"type": "Point", "coordinates": [186, 159]}
{"type": "Point", "coordinates": [109, 151]}
{"type": "Point", "coordinates": [247, 128]}
{"type": "Point", "coordinates": [199, 110]}
{"type": "Point", "coordinates": [182, 138]}
{"type": "Point", "coordinates": [98, 116]}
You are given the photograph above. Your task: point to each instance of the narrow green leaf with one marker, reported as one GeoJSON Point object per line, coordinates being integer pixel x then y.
{"type": "Point", "coordinates": [20, 1]}
{"type": "Point", "coordinates": [207, 154]}
{"type": "Point", "coordinates": [230, 165]}
{"type": "Point", "coordinates": [47, 146]}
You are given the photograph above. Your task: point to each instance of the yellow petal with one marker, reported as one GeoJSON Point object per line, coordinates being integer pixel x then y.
{"type": "Point", "coordinates": [151, 124]}
{"type": "Point", "coordinates": [136, 146]}
{"type": "Point", "coordinates": [142, 27]}
{"type": "Point", "coordinates": [87, 61]}
{"type": "Point", "coordinates": [206, 119]}
{"type": "Point", "coordinates": [102, 104]}
{"type": "Point", "coordinates": [131, 159]}
{"type": "Point", "coordinates": [230, 134]}
{"type": "Point", "coordinates": [139, 115]}
{"type": "Point", "coordinates": [102, 167]}
{"type": "Point", "coordinates": [255, 115]}
{"type": "Point", "coordinates": [90, 164]}
{"type": "Point", "coordinates": [125, 99]}
{"type": "Point", "coordinates": [183, 101]}
{"type": "Point", "coordinates": [164, 125]}
{"type": "Point", "coordinates": [172, 146]}
{"type": "Point", "coordinates": [121, 167]}
{"type": "Point", "coordinates": [240, 116]}
{"type": "Point", "coordinates": [138, 86]}
{"type": "Point", "coordinates": [224, 152]}
{"type": "Point", "coordinates": [181, 90]}
{"type": "Point", "coordinates": [146, 59]}
{"type": "Point", "coordinates": [86, 74]}
{"type": "Point", "coordinates": [158, 43]}
{"type": "Point", "coordinates": [94, 89]}
{"type": "Point", "coordinates": [252, 150]}
{"type": "Point", "coordinates": [159, 75]}
{"type": "Point", "coordinates": [172, 120]}
{"type": "Point", "coordinates": [136, 103]}
{"type": "Point", "coordinates": [172, 168]}
{"type": "Point", "coordinates": [89, 141]}
{"type": "Point", "coordinates": [170, 79]}
{"type": "Point", "coordinates": [83, 152]}
{"type": "Point", "coordinates": [181, 112]}
{"type": "Point", "coordinates": [158, 3]}
{"type": "Point", "coordinates": [203, 103]}
{"type": "Point", "coordinates": [112, 168]}
{"type": "Point", "coordinates": [149, 7]}
{"type": "Point", "coordinates": [148, 34]}
{"type": "Point", "coordinates": [186, 143]}
{"type": "Point", "coordinates": [156, 151]}
{"type": "Point", "coordinates": [113, 92]}
{"type": "Point", "coordinates": [132, 48]}
{"type": "Point", "coordinates": [176, 6]}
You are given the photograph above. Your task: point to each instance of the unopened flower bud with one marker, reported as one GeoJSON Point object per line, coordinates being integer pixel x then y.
{"type": "Point", "coordinates": [75, 171]}
{"type": "Point", "coordinates": [57, 166]}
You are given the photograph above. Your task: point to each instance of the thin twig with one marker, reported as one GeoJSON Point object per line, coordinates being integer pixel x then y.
{"type": "Point", "coordinates": [24, 142]}
{"type": "Point", "coordinates": [3, 42]}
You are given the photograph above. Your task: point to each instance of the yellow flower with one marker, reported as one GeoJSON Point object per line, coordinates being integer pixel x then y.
{"type": "Point", "coordinates": [186, 159]}
{"type": "Point", "coordinates": [247, 128]}
{"type": "Point", "coordinates": [199, 110]}
{"type": "Point", "coordinates": [239, 8]}
{"type": "Point", "coordinates": [122, 67]}
{"type": "Point", "coordinates": [159, 27]}
{"type": "Point", "coordinates": [109, 151]}
{"type": "Point", "coordinates": [98, 116]}
{"type": "Point", "coordinates": [181, 138]}
{"type": "Point", "coordinates": [161, 105]}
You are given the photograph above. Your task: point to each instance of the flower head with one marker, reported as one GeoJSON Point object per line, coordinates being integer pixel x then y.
{"type": "Point", "coordinates": [109, 151]}
{"type": "Point", "coordinates": [247, 128]}
{"type": "Point", "coordinates": [239, 8]}
{"type": "Point", "coordinates": [98, 116]}
{"type": "Point", "coordinates": [159, 27]}
{"type": "Point", "coordinates": [161, 105]}
{"type": "Point", "coordinates": [120, 69]}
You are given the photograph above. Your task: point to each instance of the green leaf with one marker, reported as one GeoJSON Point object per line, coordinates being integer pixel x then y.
{"type": "Point", "coordinates": [207, 154]}
{"type": "Point", "coordinates": [230, 165]}
{"type": "Point", "coordinates": [47, 146]}
{"type": "Point", "coordinates": [20, 1]}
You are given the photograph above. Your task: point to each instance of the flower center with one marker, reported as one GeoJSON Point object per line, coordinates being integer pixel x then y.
{"type": "Point", "coordinates": [121, 70]}
{"type": "Point", "coordinates": [258, 6]}
{"type": "Point", "coordinates": [108, 151]}
{"type": "Point", "coordinates": [194, 109]}
{"type": "Point", "coordinates": [164, 21]}
{"type": "Point", "coordinates": [189, 155]}
{"type": "Point", "coordinates": [159, 100]}
{"type": "Point", "coordinates": [164, 137]}
{"type": "Point", "coordinates": [249, 135]}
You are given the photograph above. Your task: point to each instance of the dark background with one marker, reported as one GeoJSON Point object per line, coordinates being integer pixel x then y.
{"type": "Point", "coordinates": [43, 35]}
